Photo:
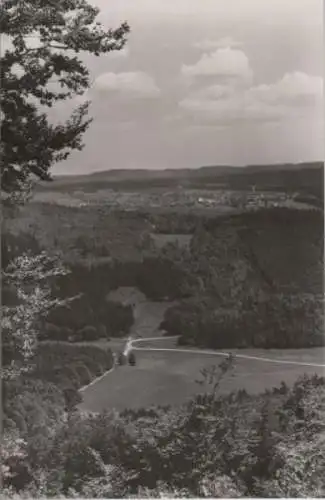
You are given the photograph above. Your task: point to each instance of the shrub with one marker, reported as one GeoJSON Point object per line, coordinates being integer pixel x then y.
{"type": "Point", "coordinates": [77, 335]}
{"type": "Point", "coordinates": [121, 359]}
{"type": "Point", "coordinates": [118, 318]}
{"type": "Point", "coordinates": [51, 331]}
{"type": "Point", "coordinates": [19, 420]}
{"type": "Point", "coordinates": [88, 333]}
{"type": "Point", "coordinates": [69, 364]}
{"type": "Point", "coordinates": [72, 397]}
{"type": "Point", "coordinates": [102, 356]}
{"type": "Point", "coordinates": [61, 380]}
{"type": "Point", "coordinates": [83, 373]}
{"type": "Point", "coordinates": [132, 359]}
{"type": "Point", "coordinates": [65, 334]}
{"type": "Point", "coordinates": [95, 368]}
{"type": "Point", "coordinates": [71, 374]}
{"type": "Point", "coordinates": [102, 331]}
{"type": "Point", "coordinates": [109, 359]}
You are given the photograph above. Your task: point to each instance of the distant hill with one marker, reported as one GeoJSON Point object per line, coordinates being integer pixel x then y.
{"type": "Point", "coordinates": [143, 174]}
{"type": "Point", "coordinates": [305, 178]}
{"type": "Point", "coordinates": [185, 172]}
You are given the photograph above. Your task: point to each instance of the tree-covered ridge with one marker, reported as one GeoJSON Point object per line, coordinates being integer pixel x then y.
{"type": "Point", "coordinates": [246, 278]}
{"type": "Point", "coordinates": [270, 321]}
{"type": "Point", "coordinates": [83, 233]}
{"type": "Point", "coordinates": [305, 180]}
{"type": "Point", "coordinates": [283, 248]}
{"type": "Point", "coordinates": [256, 280]}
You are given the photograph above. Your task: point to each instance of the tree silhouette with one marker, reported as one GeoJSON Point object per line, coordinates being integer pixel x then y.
{"type": "Point", "coordinates": [39, 68]}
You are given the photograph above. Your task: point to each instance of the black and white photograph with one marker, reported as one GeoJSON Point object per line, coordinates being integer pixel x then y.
{"type": "Point", "coordinates": [162, 249]}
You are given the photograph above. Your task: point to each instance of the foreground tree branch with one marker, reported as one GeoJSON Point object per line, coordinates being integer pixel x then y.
{"type": "Point", "coordinates": [36, 78]}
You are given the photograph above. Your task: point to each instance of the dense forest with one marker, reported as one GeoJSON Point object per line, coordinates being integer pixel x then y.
{"type": "Point", "coordinates": [265, 446]}
{"type": "Point", "coordinates": [251, 274]}
{"type": "Point", "coordinates": [261, 282]}
{"type": "Point", "coordinates": [271, 321]}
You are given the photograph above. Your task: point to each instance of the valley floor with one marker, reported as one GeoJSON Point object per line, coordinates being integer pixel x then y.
{"type": "Point", "coordinates": [169, 377]}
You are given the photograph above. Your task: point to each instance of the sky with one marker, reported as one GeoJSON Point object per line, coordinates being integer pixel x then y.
{"type": "Point", "coordinates": [205, 82]}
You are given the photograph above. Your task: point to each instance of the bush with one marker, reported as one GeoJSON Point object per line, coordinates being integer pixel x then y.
{"type": "Point", "coordinates": [19, 420]}
{"type": "Point", "coordinates": [88, 333]}
{"type": "Point", "coordinates": [95, 368]}
{"type": "Point", "coordinates": [102, 331]}
{"type": "Point", "coordinates": [70, 365]}
{"type": "Point", "coordinates": [72, 397]}
{"type": "Point", "coordinates": [100, 355]}
{"type": "Point", "coordinates": [66, 333]}
{"type": "Point", "coordinates": [54, 332]}
{"type": "Point", "coordinates": [51, 331]}
{"type": "Point", "coordinates": [121, 359]}
{"type": "Point", "coordinates": [118, 318]}
{"type": "Point", "coordinates": [70, 373]}
{"type": "Point", "coordinates": [109, 359]}
{"type": "Point", "coordinates": [132, 359]}
{"type": "Point", "coordinates": [77, 335]}
{"type": "Point", "coordinates": [83, 373]}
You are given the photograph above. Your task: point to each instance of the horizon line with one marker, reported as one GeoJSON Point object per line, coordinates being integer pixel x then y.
{"type": "Point", "coordinates": [186, 168]}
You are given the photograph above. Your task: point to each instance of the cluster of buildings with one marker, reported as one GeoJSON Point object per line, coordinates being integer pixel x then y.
{"type": "Point", "coordinates": [255, 200]}
{"type": "Point", "coordinates": [180, 197]}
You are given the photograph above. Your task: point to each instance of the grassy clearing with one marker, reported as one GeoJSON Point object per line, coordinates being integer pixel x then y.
{"type": "Point", "coordinates": [169, 378]}
{"type": "Point", "coordinates": [148, 316]}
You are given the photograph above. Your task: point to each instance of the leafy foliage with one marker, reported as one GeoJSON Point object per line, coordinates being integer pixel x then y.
{"type": "Point", "coordinates": [227, 446]}
{"type": "Point", "coordinates": [27, 282]}
{"type": "Point", "coordinates": [39, 75]}
{"type": "Point", "coordinates": [69, 364]}
{"type": "Point", "coordinates": [85, 320]}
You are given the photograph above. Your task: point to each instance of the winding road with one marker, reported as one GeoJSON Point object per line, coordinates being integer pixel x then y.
{"type": "Point", "coordinates": [165, 373]}
{"type": "Point", "coordinates": [130, 347]}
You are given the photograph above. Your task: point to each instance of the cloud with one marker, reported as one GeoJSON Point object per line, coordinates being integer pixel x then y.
{"type": "Point", "coordinates": [209, 44]}
{"type": "Point", "coordinates": [228, 111]}
{"type": "Point", "coordinates": [293, 96]}
{"type": "Point", "coordinates": [226, 63]}
{"type": "Point", "coordinates": [215, 91]}
{"type": "Point", "coordinates": [135, 84]}
{"type": "Point", "coordinates": [293, 89]}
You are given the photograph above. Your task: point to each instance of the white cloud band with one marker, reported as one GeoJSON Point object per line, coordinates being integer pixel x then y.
{"type": "Point", "coordinates": [134, 84]}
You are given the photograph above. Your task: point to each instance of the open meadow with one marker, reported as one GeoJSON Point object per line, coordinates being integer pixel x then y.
{"type": "Point", "coordinates": [168, 378]}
